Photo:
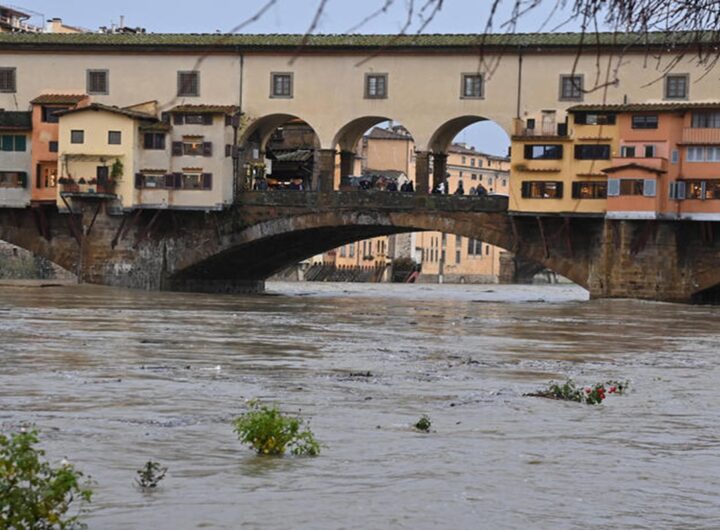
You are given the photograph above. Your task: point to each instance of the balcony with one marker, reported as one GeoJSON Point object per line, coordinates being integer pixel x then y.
{"type": "Point", "coordinates": [697, 136]}
{"type": "Point", "coordinates": [545, 130]}
{"type": "Point", "coordinates": [653, 163]}
{"type": "Point", "coordinates": [15, 24]}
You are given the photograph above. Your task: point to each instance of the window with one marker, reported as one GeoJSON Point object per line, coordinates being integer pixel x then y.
{"type": "Point", "coordinates": [97, 82]}
{"type": "Point", "coordinates": [376, 86]}
{"type": "Point", "coordinates": [155, 180]}
{"type": "Point", "coordinates": [676, 86]}
{"type": "Point", "coordinates": [47, 114]}
{"type": "Point", "coordinates": [13, 142]}
{"type": "Point", "coordinates": [627, 151]}
{"type": "Point", "coordinates": [351, 250]}
{"type": "Point", "coordinates": [645, 121]}
{"type": "Point", "coordinates": [649, 151]}
{"type": "Point", "coordinates": [703, 189]}
{"type": "Point", "coordinates": [7, 80]}
{"type": "Point", "coordinates": [628, 187]}
{"type": "Point", "coordinates": [343, 251]}
{"type": "Point", "coordinates": [13, 179]}
{"type": "Point", "coordinates": [155, 141]}
{"type": "Point", "coordinates": [592, 152]}
{"type": "Point", "coordinates": [472, 162]}
{"type": "Point", "coordinates": [472, 86]}
{"type": "Point", "coordinates": [77, 137]}
{"type": "Point", "coordinates": [474, 176]}
{"type": "Point", "coordinates": [53, 146]}
{"type": "Point", "coordinates": [114, 137]}
{"type": "Point", "coordinates": [188, 84]}
{"type": "Point", "coordinates": [281, 85]}
{"type": "Point", "coordinates": [543, 152]}
{"type": "Point", "coordinates": [595, 118]}
{"type": "Point", "coordinates": [474, 247]}
{"type": "Point", "coordinates": [675, 156]}
{"type": "Point", "coordinates": [540, 189]}
{"type": "Point", "coordinates": [703, 154]}
{"type": "Point", "coordinates": [192, 146]}
{"type": "Point", "coordinates": [196, 181]}
{"type": "Point", "coordinates": [705, 120]}
{"type": "Point", "coordinates": [589, 190]}
{"type": "Point", "coordinates": [571, 88]}
{"type": "Point", "coordinates": [196, 119]}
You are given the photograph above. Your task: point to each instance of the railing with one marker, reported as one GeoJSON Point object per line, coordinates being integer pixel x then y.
{"type": "Point", "coordinates": [372, 200]}
{"type": "Point", "coordinates": [546, 129]}
{"type": "Point", "coordinates": [692, 135]}
{"type": "Point", "coordinates": [20, 26]}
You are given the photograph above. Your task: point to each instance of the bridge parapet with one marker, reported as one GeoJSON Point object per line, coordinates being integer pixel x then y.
{"type": "Point", "coordinates": [376, 200]}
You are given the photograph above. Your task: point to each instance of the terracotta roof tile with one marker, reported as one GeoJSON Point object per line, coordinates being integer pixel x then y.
{"type": "Point", "coordinates": [59, 99]}
{"type": "Point", "coordinates": [668, 106]}
{"type": "Point", "coordinates": [15, 121]}
{"type": "Point", "coordinates": [107, 108]}
{"type": "Point", "coordinates": [206, 109]}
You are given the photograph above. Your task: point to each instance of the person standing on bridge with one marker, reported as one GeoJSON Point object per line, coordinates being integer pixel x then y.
{"type": "Point", "coordinates": [460, 189]}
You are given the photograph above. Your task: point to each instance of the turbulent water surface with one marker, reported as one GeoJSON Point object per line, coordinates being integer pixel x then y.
{"type": "Point", "coordinates": [113, 378]}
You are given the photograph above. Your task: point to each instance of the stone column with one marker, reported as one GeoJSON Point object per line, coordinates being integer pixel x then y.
{"type": "Point", "coordinates": [422, 172]}
{"type": "Point", "coordinates": [440, 169]}
{"type": "Point", "coordinates": [347, 163]}
{"type": "Point", "coordinates": [323, 170]}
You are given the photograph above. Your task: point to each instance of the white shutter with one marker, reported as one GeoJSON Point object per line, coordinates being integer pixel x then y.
{"type": "Point", "coordinates": [649, 186]}
{"type": "Point", "coordinates": [613, 188]}
{"type": "Point", "coordinates": [680, 190]}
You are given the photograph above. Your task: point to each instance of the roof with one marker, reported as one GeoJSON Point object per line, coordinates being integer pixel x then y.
{"type": "Point", "coordinates": [14, 11]}
{"type": "Point", "coordinates": [634, 165]}
{"type": "Point", "coordinates": [206, 109]}
{"type": "Point", "coordinates": [59, 99]}
{"type": "Point", "coordinates": [99, 107]}
{"type": "Point", "coordinates": [15, 121]}
{"type": "Point", "coordinates": [668, 106]}
{"type": "Point", "coordinates": [158, 126]}
{"type": "Point", "coordinates": [244, 42]}
{"type": "Point", "coordinates": [378, 133]}
{"type": "Point", "coordinates": [465, 150]}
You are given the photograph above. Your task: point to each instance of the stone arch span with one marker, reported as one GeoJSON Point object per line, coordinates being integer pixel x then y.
{"type": "Point", "coordinates": [347, 138]}
{"type": "Point", "coordinates": [266, 125]}
{"type": "Point", "coordinates": [445, 134]}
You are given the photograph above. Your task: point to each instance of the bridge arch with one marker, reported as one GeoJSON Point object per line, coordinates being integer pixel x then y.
{"type": "Point", "coordinates": [444, 135]}
{"type": "Point", "coordinates": [263, 128]}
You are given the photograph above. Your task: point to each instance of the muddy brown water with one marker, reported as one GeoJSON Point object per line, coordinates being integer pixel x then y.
{"type": "Point", "coordinates": [114, 378]}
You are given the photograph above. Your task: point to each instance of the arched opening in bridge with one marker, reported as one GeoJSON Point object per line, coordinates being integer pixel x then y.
{"type": "Point", "coordinates": [374, 153]}
{"type": "Point", "coordinates": [16, 263]}
{"type": "Point", "coordinates": [279, 151]}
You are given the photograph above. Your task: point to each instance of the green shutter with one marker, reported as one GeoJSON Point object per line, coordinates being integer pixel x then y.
{"type": "Point", "coordinates": [7, 143]}
{"type": "Point", "coordinates": [20, 142]}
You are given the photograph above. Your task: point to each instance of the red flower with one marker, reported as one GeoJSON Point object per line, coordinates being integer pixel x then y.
{"type": "Point", "coordinates": [612, 389]}
{"type": "Point", "coordinates": [588, 390]}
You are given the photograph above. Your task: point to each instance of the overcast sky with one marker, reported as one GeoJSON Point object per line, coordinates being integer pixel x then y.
{"type": "Point", "coordinates": [295, 16]}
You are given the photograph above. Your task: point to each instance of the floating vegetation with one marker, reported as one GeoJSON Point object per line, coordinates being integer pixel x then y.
{"type": "Point", "coordinates": [423, 424]}
{"type": "Point", "coordinates": [270, 432]}
{"type": "Point", "coordinates": [590, 395]}
{"type": "Point", "coordinates": [150, 475]}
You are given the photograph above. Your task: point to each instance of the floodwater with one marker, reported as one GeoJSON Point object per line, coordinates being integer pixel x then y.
{"type": "Point", "coordinates": [114, 378]}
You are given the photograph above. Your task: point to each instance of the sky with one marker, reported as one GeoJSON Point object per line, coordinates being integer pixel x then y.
{"type": "Point", "coordinates": [296, 16]}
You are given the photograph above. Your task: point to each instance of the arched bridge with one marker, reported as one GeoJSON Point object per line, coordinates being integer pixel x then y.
{"type": "Point", "coordinates": [237, 248]}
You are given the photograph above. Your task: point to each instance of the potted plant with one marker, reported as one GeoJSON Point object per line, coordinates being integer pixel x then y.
{"type": "Point", "coordinates": [82, 184]}
{"type": "Point", "coordinates": [92, 183]}
{"type": "Point", "coordinates": [70, 185]}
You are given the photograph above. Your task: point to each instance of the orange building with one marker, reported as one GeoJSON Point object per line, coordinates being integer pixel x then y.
{"type": "Point", "coordinates": [45, 137]}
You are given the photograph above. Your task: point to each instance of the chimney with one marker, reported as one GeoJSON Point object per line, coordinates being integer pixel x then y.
{"type": "Point", "coordinates": [122, 21]}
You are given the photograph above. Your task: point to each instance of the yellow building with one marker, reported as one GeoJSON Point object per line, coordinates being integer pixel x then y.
{"type": "Point", "coordinates": [558, 167]}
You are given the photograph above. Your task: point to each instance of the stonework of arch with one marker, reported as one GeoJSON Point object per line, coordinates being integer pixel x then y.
{"type": "Point", "coordinates": [445, 134]}
{"type": "Point", "coordinates": [350, 134]}
{"type": "Point", "coordinates": [265, 126]}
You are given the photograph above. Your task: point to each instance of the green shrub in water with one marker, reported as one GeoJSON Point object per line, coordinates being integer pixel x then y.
{"type": "Point", "coordinates": [423, 424]}
{"type": "Point", "coordinates": [33, 494]}
{"type": "Point", "coordinates": [270, 432]}
{"type": "Point", "coordinates": [150, 475]}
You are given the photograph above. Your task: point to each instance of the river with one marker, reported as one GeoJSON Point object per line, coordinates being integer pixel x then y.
{"type": "Point", "coordinates": [113, 378]}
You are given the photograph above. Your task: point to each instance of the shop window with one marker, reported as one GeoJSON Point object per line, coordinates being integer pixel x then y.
{"type": "Point", "coordinates": [543, 152]}
{"type": "Point", "coordinates": [592, 152]}
{"type": "Point", "coordinates": [589, 190]}
{"type": "Point", "coordinates": [281, 85]}
{"type": "Point", "coordinates": [540, 189]}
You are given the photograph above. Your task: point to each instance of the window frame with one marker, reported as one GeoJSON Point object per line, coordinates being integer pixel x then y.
{"type": "Point", "coordinates": [528, 186]}
{"type": "Point", "coordinates": [88, 85]}
{"type": "Point", "coordinates": [642, 121]}
{"type": "Point", "coordinates": [12, 71]}
{"type": "Point", "coordinates": [463, 85]}
{"type": "Point", "coordinates": [558, 147]}
{"type": "Point", "coordinates": [666, 86]}
{"type": "Point", "coordinates": [114, 135]}
{"type": "Point", "coordinates": [598, 190]}
{"type": "Point", "coordinates": [386, 88]}
{"type": "Point", "coordinates": [81, 133]}
{"type": "Point", "coordinates": [154, 143]}
{"type": "Point", "coordinates": [581, 89]}
{"type": "Point", "coordinates": [291, 85]}
{"type": "Point", "coordinates": [605, 155]}
{"type": "Point", "coordinates": [180, 84]}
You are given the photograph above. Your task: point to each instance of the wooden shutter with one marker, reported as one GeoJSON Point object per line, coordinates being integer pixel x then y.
{"type": "Point", "coordinates": [148, 141]}
{"type": "Point", "coordinates": [23, 179]}
{"type": "Point", "coordinates": [177, 149]}
{"type": "Point", "coordinates": [178, 180]}
{"type": "Point", "coordinates": [525, 189]}
{"type": "Point", "coordinates": [228, 150]}
{"type": "Point", "coordinates": [649, 187]}
{"type": "Point", "coordinates": [139, 180]}
{"type": "Point", "coordinates": [207, 148]}
{"type": "Point", "coordinates": [178, 119]}
{"type": "Point", "coordinates": [207, 119]}
{"type": "Point", "coordinates": [559, 190]}
{"type": "Point", "coordinates": [228, 120]}
{"type": "Point", "coordinates": [613, 187]}
{"type": "Point", "coordinates": [575, 190]}
{"type": "Point", "coordinates": [528, 152]}
{"type": "Point", "coordinates": [170, 180]}
{"type": "Point", "coordinates": [207, 181]}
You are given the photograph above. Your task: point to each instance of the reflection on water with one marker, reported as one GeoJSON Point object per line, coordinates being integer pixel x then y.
{"type": "Point", "coordinates": [114, 378]}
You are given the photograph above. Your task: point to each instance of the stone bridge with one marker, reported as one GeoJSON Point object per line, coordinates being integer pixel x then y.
{"type": "Point", "coordinates": [236, 249]}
